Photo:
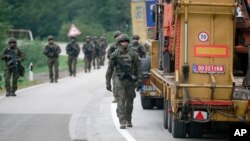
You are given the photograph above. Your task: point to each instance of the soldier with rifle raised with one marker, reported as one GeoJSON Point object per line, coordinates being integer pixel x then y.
{"type": "Point", "coordinates": [52, 52]}
{"type": "Point", "coordinates": [12, 57]}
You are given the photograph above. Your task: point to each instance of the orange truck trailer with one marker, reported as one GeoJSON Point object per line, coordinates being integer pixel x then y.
{"type": "Point", "coordinates": [198, 49]}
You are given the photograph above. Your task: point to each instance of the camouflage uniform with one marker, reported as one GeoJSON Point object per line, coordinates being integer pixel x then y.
{"type": "Point", "coordinates": [73, 50]}
{"type": "Point", "coordinates": [96, 56]}
{"type": "Point", "coordinates": [103, 45]}
{"type": "Point", "coordinates": [125, 85]}
{"type": "Point", "coordinates": [111, 49]}
{"type": "Point", "coordinates": [138, 47]}
{"type": "Point", "coordinates": [12, 56]}
{"type": "Point", "coordinates": [52, 52]}
{"type": "Point", "coordinates": [87, 49]}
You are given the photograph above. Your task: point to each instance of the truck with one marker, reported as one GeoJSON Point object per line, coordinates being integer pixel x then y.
{"type": "Point", "coordinates": [199, 49]}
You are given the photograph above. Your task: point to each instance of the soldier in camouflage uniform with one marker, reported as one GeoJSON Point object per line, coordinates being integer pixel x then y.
{"type": "Point", "coordinates": [126, 64]}
{"type": "Point", "coordinates": [111, 49]}
{"type": "Point", "coordinates": [52, 52]}
{"type": "Point", "coordinates": [73, 50]}
{"type": "Point", "coordinates": [103, 45]}
{"type": "Point", "coordinates": [96, 56]}
{"type": "Point", "coordinates": [12, 57]}
{"type": "Point", "coordinates": [87, 49]}
{"type": "Point", "coordinates": [138, 47]}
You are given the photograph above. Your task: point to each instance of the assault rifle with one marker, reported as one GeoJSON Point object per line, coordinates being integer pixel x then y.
{"type": "Point", "coordinates": [127, 70]}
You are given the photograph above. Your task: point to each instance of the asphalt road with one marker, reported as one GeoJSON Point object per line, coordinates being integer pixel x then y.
{"type": "Point", "coordinates": [77, 108]}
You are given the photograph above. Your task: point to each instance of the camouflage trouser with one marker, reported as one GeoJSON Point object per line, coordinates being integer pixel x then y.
{"type": "Point", "coordinates": [126, 94]}
{"type": "Point", "coordinates": [15, 76]}
{"type": "Point", "coordinates": [87, 63]}
{"type": "Point", "coordinates": [72, 61]}
{"type": "Point", "coordinates": [114, 85]}
{"type": "Point", "coordinates": [53, 64]}
{"type": "Point", "coordinates": [96, 61]}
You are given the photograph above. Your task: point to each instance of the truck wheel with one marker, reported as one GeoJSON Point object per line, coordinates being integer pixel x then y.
{"type": "Point", "coordinates": [159, 103]}
{"type": "Point", "coordinates": [195, 130]}
{"type": "Point", "coordinates": [165, 115]}
{"type": "Point", "coordinates": [178, 128]}
{"type": "Point", "coordinates": [147, 103]}
{"type": "Point", "coordinates": [170, 116]}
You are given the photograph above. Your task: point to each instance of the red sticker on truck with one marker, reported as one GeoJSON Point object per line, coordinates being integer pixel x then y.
{"type": "Point", "coordinates": [208, 69]}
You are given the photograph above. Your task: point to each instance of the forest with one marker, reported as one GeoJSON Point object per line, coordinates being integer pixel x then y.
{"type": "Point", "coordinates": [47, 17]}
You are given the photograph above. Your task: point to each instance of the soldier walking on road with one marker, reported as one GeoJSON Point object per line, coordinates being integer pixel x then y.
{"type": "Point", "coordinates": [126, 64]}
{"type": "Point", "coordinates": [138, 47]}
{"type": "Point", "coordinates": [12, 57]}
{"type": "Point", "coordinates": [103, 45]}
{"type": "Point", "coordinates": [73, 50]}
{"type": "Point", "coordinates": [87, 49]}
{"type": "Point", "coordinates": [52, 52]}
{"type": "Point", "coordinates": [111, 49]}
{"type": "Point", "coordinates": [96, 56]}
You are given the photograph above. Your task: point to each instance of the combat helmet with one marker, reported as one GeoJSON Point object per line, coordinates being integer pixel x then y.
{"type": "Point", "coordinates": [136, 37]}
{"type": "Point", "coordinates": [122, 37]}
{"type": "Point", "coordinates": [12, 40]}
{"type": "Point", "coordinates": [117, 33]}
{"type": "Point", "coordinates": [50, 37]}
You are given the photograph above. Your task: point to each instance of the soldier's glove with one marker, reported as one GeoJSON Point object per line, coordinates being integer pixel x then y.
{"type": "Point", "coordinates": [138, 85]}
{"type": "Point", "coordinates": [7, 56]}
{"type": "Point", "coordinates": [108, 87]}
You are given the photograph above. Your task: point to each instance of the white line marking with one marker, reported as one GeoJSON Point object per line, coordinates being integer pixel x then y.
{"type": "Point", "coordinates": [123, 132]}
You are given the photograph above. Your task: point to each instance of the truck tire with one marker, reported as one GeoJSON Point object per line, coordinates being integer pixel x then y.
{"type": "Point", "coordinates": [178, 128]}
{"type": "Point", "coordinates": [195, 130]}
{"type": "Point", "coordinates": [146, 102]}
{"type": "Point", "coordinates": [159, 103]}
{"type": "Point", "coordinates": [170, 116]}
{"type": "Point", "coordinates": [165, 115]}
{"type": "Point", "coordinates": [145, 65]}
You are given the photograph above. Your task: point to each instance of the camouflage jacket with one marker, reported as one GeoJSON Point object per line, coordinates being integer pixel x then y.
{"type": "Point", "coordinates": [128, 57]}
{"type": "Point", "coordinates": [12, 55]}
{"type": "Point", "coordinates": [73, 49]}
{"type": "Point", "coordinates": [137, 47]}
{"type": "Point", "coordinates": [111, 49]}
{"type": "Point", "coordinates": [52, 51]}
{"type": "Point", "coordinates": [87, 49]}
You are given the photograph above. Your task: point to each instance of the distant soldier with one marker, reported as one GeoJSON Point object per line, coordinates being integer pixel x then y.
{"type": "Point", "coordinates": [52, 52]}
{"type": "Point", "coordinates": [12, 57]}
{"type": "Point", "coordinates": [138, 47]}
{"type": "Point", "coordinates": [126, 64]}
{"type": "Point", "coordinates": [96, 55]}
{"type": "Point", "coordinates": [87, 49]}
{"type": "Point", "coordinates": [111, 49]}
{"type": "Point", "coordinates": [103, 45]}
{"type": "Point", "coordinates": [73, 50]}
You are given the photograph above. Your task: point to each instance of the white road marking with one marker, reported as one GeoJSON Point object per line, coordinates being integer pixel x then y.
{"type": "Point", "coordinates": [123, 132]}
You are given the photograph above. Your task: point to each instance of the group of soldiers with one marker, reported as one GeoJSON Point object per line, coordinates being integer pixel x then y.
{"type": "Point", "coordinates": [124, 66]}
{"type": "Point", "coordinates": [124, 69]}
{"type": "Point", "coordinates": [94, 54]}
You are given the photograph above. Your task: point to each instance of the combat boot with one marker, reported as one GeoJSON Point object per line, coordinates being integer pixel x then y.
{"type": "Point", "coordinates": [129, 124]}
{"type": "Point", "coordinates": [8, 94]}
{"type": "Point", "coordinates": [13, 93]}
{"type": "Point", "coordinates": [123, 126]}
{"type": "Point", "coordinates": [56, 81]}
{"type": "Point", "coordinates": [51, 80]}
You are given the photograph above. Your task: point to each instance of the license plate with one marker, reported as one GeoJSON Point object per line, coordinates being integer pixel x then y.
{"type": "Point", "coordinates": [148, 88]}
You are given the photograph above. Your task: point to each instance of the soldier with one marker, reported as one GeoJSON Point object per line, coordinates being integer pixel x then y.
{"type": "Point", "coordinates": [111, 49]}
{"type": "Point", "coordinates": [103, 45]}
{"type": "Point", "coordinates": [52, 52]}
{"type": "Point", "coordinates": [73, 50]}
{"type": "Point", "coordinates": [138, 47]}
{"type": "Point", "coordinates": [87, 49]}
{"type": "Point", "coordinates": [126, 64]}
{"type": "Point", "coordinates": [96, 55]}
{"type": "Point", "coordinates": [13, 57]}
